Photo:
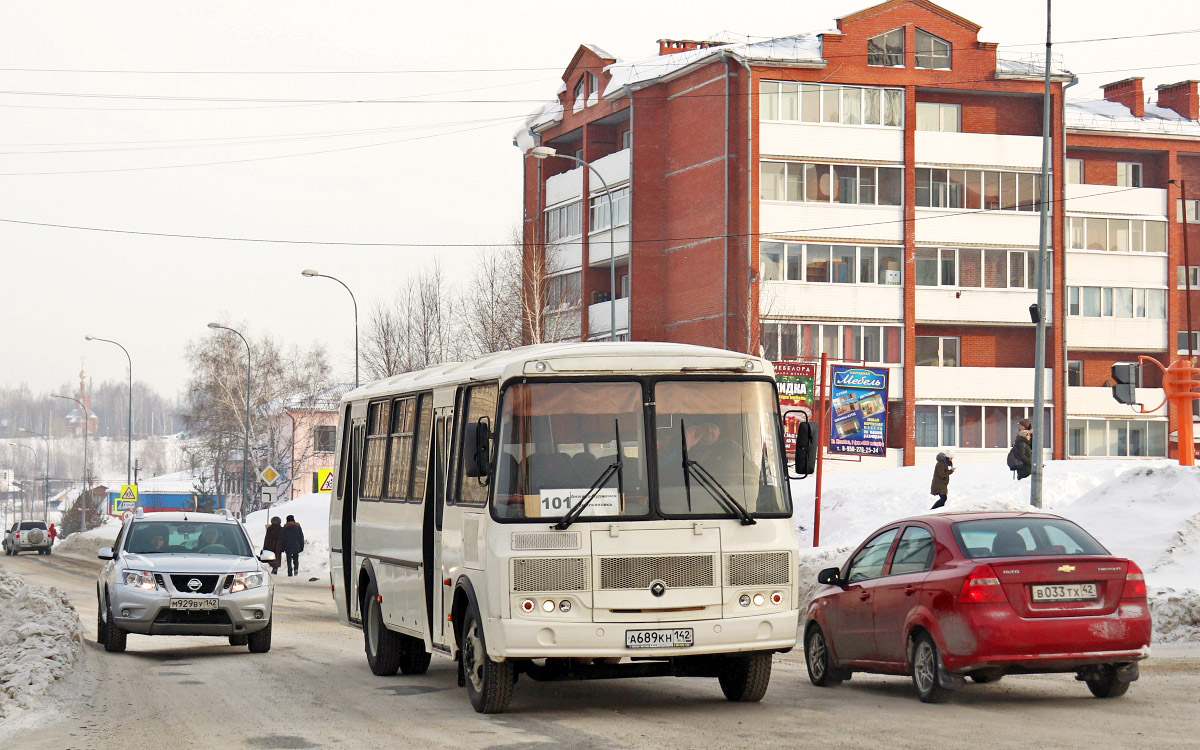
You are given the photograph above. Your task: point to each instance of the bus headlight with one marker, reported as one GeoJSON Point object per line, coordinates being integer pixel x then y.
{"type": "Point", "coordinates": [759, 599]}
{"type": "Point", "coordinates": [548, 606]}
{"type": "Point", "coordinates": [564, 605]}
{"type": "Point", "coordinates": [744, 600]}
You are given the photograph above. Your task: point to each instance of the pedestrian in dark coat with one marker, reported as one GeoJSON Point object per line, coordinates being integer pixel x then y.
{"type": "Point", "coordinates": [274, 542]}
{"type": "Point", "coordinates": [1022, 450]}
{"type": "Point", "coordinates": [293, 544]}
{"type": "Point", "coordinates": [941, 478]}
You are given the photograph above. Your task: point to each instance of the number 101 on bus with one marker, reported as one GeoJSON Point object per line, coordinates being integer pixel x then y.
{"type": "Point", "coordinates": [555, 503]}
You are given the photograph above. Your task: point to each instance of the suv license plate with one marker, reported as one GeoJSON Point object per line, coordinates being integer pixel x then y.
{"type": "Point", "coordinates": [673, 638]}
{"type": "Point", "coordinates": [1066, 592]}
{"type": "Point", "coordinates": [194, 603]}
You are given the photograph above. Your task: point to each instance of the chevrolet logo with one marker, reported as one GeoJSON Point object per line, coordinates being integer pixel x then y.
{"type": "Point", "coordinates": [1066, 568]}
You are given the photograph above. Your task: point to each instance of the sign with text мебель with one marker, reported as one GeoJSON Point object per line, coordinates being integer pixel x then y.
{"type": "Point", "coordinates": [858, 417]}
{"type": "Point", "coordinates": [794, 381]}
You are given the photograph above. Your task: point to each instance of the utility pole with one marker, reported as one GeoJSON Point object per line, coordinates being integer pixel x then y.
{"type": "Point", "coordinates": [1038, 419]}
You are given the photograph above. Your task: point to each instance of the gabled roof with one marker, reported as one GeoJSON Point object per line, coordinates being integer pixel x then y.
{"type": "Point", "coordinates": [875, 10]}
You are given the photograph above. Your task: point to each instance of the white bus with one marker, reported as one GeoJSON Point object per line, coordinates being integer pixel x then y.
{"type": "Point", "coordinates": [569, 511]}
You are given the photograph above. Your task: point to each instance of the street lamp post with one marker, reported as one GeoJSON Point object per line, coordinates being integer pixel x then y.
{"type": "Point", "coordinates": [246, 441]}
{"type": "Point", "coordinates": [46, 477]}
{"type": "Point", "coordinates": [312, 273]}
{"type": "Point", "coordinates": [129, 424]}
{"type": "Point", "coordinates": [86, 496]}
{"type": "Point", "coordinates": [544, 152]}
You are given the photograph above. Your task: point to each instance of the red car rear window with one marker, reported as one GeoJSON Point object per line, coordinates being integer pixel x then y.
{"type": "Point", "coordinates": [1023, 537]}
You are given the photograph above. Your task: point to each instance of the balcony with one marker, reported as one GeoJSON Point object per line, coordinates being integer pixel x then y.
{"type": "Point", "coordinates": [985, 150]}
{"type": "Point", "coordinates": [812, 301]}
{"type": "Point", "coordinates": [979, 384]}
{"type": "Point", "coordinates": [1117, 334]}
{"type": "Point", "coordinates": [568, 185]}
{"type": "Point", "coordinates": [977, 306]}
{"type": "Point", "coordinates": [883, 224]}
{"type": "Point", "coordinates": [832, 142]}
{"type": "Point", "coordinates": [951, 226]}
{"type": "Point", "coordinates": [564, 187]}
{"type": "Point", "coordinates": [599, 318]}
{"type": "Point", "coordinates": [1097, 268]}
{"type": "Point", "coordinates": [1110, 199]}
{"type": "Point", "coordinates": [614, 168]}
{"type": "Point", "coordinates": [564, 256]}
{"type": "Point", "coordinates": [598, 249]}
{"type": "Point", "coordinates": [1099, 402]}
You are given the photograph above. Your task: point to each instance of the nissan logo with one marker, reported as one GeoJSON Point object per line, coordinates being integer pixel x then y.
{"type": "Point", "coordinates": [194, 584]}
{"type": "Point", "coordinates": [658, 588]}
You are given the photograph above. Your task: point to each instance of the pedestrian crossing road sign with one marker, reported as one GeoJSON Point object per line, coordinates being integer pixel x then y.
{"type": "Point", "coordinates": [325, 480]}
{"type": "Point", "coordinates": [127, 500]}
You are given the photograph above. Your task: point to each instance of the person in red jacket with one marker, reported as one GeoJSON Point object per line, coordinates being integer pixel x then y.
{"type": "Point", "coordinates": [53, 534]}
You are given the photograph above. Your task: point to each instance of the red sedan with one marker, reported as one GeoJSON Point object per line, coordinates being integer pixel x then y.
{"type": "Point", "coordinates": [981, 595]}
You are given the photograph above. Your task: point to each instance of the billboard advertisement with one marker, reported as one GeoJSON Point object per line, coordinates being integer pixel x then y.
{"type": "Point", "coordinates": [858, 413]}
{"type": "Point", "coordinates": [795, 382]}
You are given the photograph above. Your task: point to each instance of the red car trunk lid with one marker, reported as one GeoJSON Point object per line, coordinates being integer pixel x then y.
{"type": "Point", "coordinates": [1019, 575]}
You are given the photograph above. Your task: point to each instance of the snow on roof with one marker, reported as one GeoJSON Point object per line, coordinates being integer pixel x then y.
{"type": "Point", "coordinates": [599, 52]}
{"type": "Point", "coordinates": [1033, 66]}
{"type": "Point", "coordinates": [1105, 115]}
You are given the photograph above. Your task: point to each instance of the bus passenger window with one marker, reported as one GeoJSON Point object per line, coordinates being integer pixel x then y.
{"type": "Point", "coordinates": [376, 450]}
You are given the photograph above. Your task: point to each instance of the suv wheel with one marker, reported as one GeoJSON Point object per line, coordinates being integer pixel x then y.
{"type": "Point", "coordinates": [239, 639]}
{"type": "Point", "coordinates": [260, 640]}
{"type": "Point", "coordinates": [101, 625]}
{"type": "Point", "coordinates": [114, 637]}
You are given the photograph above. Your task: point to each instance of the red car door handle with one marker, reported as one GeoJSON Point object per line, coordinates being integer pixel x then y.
{"type": "Point", "coordinates": [910, 590]}
{"type": "Point", "coordinates": [865, 595]}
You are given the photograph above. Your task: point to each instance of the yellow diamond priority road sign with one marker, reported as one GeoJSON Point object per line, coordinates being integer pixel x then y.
{"type": "Point", "coordinates": [269, 475]}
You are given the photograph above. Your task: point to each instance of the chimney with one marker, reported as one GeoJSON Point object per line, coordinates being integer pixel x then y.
{"type": "Point", "coordinates": [1181, 97]}
{"type": "Point", "coordinates": [1129, 93]}
{"type": "Point", "coordinates": [672, 46]}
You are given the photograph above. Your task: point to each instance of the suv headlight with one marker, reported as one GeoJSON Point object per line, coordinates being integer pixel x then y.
{"type": "Point", "coordinates": [243, 581]}
{"type": "Point", "coordinates": [141, 578]}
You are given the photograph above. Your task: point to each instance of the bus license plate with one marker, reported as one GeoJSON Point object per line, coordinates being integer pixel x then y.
{"type": "Point", "coordinates": [672, 638]}
{"type": "Point", "coordinates": [1069, 592]}
{"type": "Point", "coordinates": [191, 603]}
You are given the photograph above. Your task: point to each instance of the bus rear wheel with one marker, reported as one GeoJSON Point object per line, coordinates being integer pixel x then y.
{"type": "Point", "coordinates": [384, 647]}
{"type": "Point", "coordinates": [489, 683]}
{"type": "Point", "coordinates": [744, 679]}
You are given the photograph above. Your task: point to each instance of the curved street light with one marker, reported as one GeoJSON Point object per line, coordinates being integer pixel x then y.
{"type": "Point", "coordinates": [545, 152]}
{"type": "Point", "coordinates": [312, 273]}
{"type": "Point", "coordinates": [86, 496]}
{"type": "Point", "coordinates": [246, 440]}
{"type": "Point", "coordinates": [129, 424]}
{"type": "Point", "coordinates": [46, 477]}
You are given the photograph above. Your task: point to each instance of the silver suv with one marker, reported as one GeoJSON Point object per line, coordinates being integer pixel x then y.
{"type": "Point", "coordinates": [184, 574]}
{"type": "Point", "coordinates": [25, 536]}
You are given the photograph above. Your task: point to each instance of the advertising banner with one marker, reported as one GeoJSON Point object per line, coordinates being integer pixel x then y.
{"type": "Point", "coordinates": [858, 417]}
{"type": "Point", "coordinates": [795, 381]}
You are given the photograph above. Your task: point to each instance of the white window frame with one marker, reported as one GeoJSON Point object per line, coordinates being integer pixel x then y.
{"type": "Point", "coordinates": [598, 218]}
{"type": "Point", "coordinates": [1077, 228]}
{"type": "Point", "coordinates": [888, 57]}
{"type": "Point", "coordinates": [1193, 210]}
{"type": "Point", "coordinates": [951, 254]}
{"type": "Point", "coordinates": [1110, 425]}
{"type": "Point", "coordinates": [941, 355]}
{"type": "Point", "coordinates": [941, 115]}
{"type": "Point", "coordinates": [558, 222]}
{"type": "Point", "coordinates": [798, 169]}
{"type": "Point", "coordinates": [777, 329]}
{"type": "Point", "coordinates": [890, 101]}
{"type": "Point", "coordinates": [1193, 281]}
{"type": "Point", "coordinates": [1108, 302]}
{"type": "Point", "coordinates": [800, 250]}
{"type": "Point", "coordinates": [1015, 413]}
{"type": "Point", "coordinates": [1077, 365]}
{"type": "Point", "coordinates": [932, 56]}
{"type": "Point", "coordinates": [1075, 173]}
{"type": "Point", "coordinates": [1129, 174]}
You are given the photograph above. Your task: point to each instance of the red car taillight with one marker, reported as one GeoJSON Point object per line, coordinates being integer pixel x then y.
{"type": "Point", "coordinates": [982, 587]}
{"type": "Point", "coordinates": [1135, 583]}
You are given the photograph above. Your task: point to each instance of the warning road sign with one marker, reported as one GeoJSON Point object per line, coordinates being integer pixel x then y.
{"type": "Point", "coordinates": [129, 492]}
{"type": "Point", "coordinates": [325, 480]}
{"type": "Point", "coordinates": [127, 500]}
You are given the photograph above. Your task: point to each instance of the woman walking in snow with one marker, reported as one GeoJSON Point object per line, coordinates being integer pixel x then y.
{"type": "Point", "coordinates": [273, 540]}
{"type": "Point", "coordinates": [941, 478]}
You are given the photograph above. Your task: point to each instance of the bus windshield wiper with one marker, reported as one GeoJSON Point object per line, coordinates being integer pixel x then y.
{"type": "Point", "coordinates": [705, 479]}
{"type": "Point", "coordinates": [615, 467]}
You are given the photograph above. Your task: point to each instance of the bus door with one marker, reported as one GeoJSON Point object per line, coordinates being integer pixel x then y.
{"type": "Point", "coordinates": [352, 464]}
{"type": "Point", "coordinates": [435, 589]}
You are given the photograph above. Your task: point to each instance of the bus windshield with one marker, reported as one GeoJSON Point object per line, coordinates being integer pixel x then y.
{"type": "Point", "coordinates": [558, 446]}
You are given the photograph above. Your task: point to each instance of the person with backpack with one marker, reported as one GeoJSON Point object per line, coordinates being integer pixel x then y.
{"type": "Point", "coordinates": [941, 478]}
{"type": "Point", "coordinates": [1020, 456]}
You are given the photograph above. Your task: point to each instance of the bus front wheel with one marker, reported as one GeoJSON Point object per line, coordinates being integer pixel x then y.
{"type": "Point", "coordinates": [744, 679]}
{"type": "Point", "coordinates": [489, 683]}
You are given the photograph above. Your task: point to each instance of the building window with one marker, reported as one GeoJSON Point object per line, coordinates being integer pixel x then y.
{"type": "Point", "coordinates": [1182, 341]}
{"type": "Point", "coordinates": [977, 189]}
{"type": "Point", "coordinates": [789, 101]}
{"type": "Point", "coordinates": [1192, 280]}
{"type": "Point", "coordinates": [599, 210]}
{"type": "Point", "coordinates": [974, 268]}
{"type": "Point", "coordinates": [830, 183]}
{"type": "Point", "coordinates": [973, 425]}
{"type": "Point", "coordinates": [1116, 302]}
{"type": "Point", "coordinates": [932, 52]}
{"type": "Point", "coordinates": [1116, 235]}
{"type": "Point", "coordinates": [938, 351]}
{"type": "Point", "coordinates": [563, 292]}
{"type": "Point", "coordinates": [834, 264]}
{"type": "Point", "coordinates": [1129, 174]}
{"type": "Point", "coordinates": [579, 95]}
{"type": "Point", "coordinates": [936, 116]}
{"type": "Point", "coordinates": [1193, 208]}
{"type": "Point", "coordinates": [1074, 372]}
{"type": "Point", "coordinates": [627, 138]}
{"type": "Point", "coordinates": [564, 222]}
{"type": "Point", "coordinates": [887, 49]}
{"type": "Point", "coordinates": [1074, 171]}
{"type": "Point", "coordinates": [324, 439]}
{"type": "Point", "coordinates": [868, 343]}
{"type": "Point", "coordinates": [1116, 437]}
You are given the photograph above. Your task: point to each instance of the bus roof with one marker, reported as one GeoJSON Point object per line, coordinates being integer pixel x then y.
{"type": "Point", "coordinates": [570, 358]}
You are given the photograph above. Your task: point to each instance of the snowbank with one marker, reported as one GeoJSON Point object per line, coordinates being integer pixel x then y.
{"type": "Point", "coordinates": [1145, 510]}
{"type": "Point", "coordinates": [41, 639]}
{"type": "Point", "coordinates": [312, 513]}
{"type": "Point", "coordinates": [85, 544]}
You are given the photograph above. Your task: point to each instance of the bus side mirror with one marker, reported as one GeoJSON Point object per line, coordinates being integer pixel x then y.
{"type": "Point", "coordinates": [477, 441]}
{"type": "Point", "coordinates": [808, 447]}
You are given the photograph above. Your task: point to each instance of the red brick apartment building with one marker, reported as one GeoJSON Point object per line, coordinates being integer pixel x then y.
{"type": "Point", "coordinates": [872, 193]}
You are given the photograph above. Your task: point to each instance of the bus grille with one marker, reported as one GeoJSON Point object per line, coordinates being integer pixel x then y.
{"type": "Point", "coordinates": [757, 569]}
{"type": "Point", "coordinates": [550, 574]}
{"type": "Point", "coordinates": [677, 571]}
{"type": "Point", "coordinates": [524, 540]}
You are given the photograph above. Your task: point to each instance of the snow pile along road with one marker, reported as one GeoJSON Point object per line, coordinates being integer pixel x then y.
{"type": "Point", "coordinates": [312, 513]}
{"type": "Point", "coordinates": [85, 544]}
{"type": "Point", "coordinates": [41, 639]}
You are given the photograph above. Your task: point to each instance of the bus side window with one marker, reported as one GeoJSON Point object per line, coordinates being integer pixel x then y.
{"type": "Point", "coordinates": [479, 401]}
{"type": "Point", "coordinates": [344, 458]}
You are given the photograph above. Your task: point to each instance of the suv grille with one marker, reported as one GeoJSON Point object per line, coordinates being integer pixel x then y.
{"type": "Point", "coordinates": [757, 569]}
{"type": "Point", "coordinates": [550, 574]}
{"type": "Point", "coordinates": [208, 583]}
{"type": "Point", "coordinates": [167, 616]}
{"type": "Point", "coordinates": [677, 571]}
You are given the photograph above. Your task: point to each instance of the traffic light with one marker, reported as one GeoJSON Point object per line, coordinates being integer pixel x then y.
{"type": "Point", "coordinates": [1125, 376]}
{"type": "Point", "coordinates": [808, 448]}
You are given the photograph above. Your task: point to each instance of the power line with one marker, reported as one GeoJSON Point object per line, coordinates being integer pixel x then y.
{"type": "Point", "coordinates": [1106, 38]}
{"type": "Point", "coordinates": [341, 243]}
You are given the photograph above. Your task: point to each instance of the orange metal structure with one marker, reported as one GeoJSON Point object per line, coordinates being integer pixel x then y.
{"type": "Point", "coordinates": [1181, 383]}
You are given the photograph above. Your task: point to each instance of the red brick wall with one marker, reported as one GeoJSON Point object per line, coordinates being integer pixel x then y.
{"type": "Point", "coordinates": [1100, 165]}
{"type": "Point", "coordinates": [990, 346]}
{"type": "Point", "coordinates": [1097, 368]}
{"type": "Point", "coordinates": [991, 114]}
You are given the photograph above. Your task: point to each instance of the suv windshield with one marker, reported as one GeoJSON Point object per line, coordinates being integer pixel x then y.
{"type": "Point", "coordinates": [558, 440]}
{"type": "Point", "coordinates": [1024, 537]}
{"type": "Point", "coordinates": [187, 538]}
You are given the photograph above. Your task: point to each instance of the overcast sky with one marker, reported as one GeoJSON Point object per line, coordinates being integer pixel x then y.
{"type": "Point", "coordinates": [422, 173]}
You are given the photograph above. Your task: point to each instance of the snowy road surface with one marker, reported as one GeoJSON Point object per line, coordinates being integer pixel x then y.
{"type": "Point", "coordinates": [313, 690]}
